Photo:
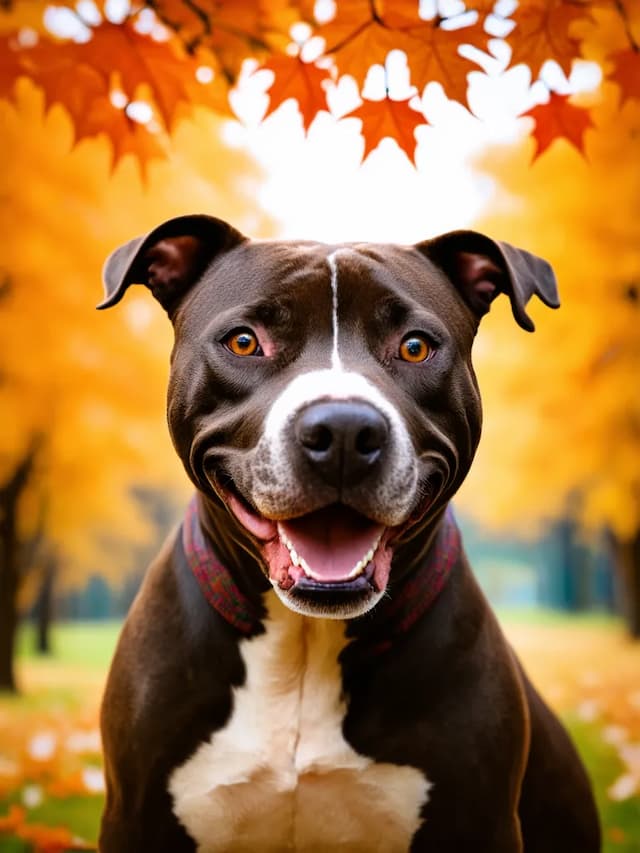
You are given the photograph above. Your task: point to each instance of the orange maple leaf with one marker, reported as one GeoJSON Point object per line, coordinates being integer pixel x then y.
{"type": "Point", "coordinates": [362, 33]}
{"type": "Point", "coordinates": [125, 135]}
{"type": "Point", "coordinates": [542, 33]}
{"type": "Point", "coordinates": [358, 37]}
{"type": "Point", "coordinates": [80, 76]}
{"type": "Point", "coordinates": [230, 29]}
{"type": "Point", "coordinates": [388, 118]}
{"type": "Point", "coordinates": [140, 60]}
{"type": "Point", "coordinates": [433, 56]}
{"type": "Point", "coordinates": [626, 73]}
{"type": "Point", "coordinates": [559, 119]}
{"type": "Point", "coordinates": [483, 7]}
{"type": "Point", "coordinates": [302, 81]}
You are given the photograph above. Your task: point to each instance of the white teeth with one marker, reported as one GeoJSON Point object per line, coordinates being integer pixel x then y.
{"type": "Point", "coordinates": [300, 562]}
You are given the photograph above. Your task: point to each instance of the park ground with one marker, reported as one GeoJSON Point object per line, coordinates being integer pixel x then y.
{"type": "Point", "coordinates": [51, 785]}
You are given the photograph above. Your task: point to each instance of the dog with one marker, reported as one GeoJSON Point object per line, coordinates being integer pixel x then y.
{"type": "Point", "coordinates": [309, 664]}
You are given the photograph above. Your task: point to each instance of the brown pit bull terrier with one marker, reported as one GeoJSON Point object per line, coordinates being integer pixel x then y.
{"type": "Point", "coordinates": [310, 664]}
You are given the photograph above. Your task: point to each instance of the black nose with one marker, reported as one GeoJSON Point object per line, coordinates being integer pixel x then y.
{"type": "Point", "coordinates": [344, 440]}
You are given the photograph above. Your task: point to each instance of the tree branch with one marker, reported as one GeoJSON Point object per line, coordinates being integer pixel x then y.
{"type": "Point", "coordinates": [619, 5]}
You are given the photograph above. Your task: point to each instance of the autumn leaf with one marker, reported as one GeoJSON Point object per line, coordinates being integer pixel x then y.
{"type": "Point", "coordinates": [125, 135]}
{"type": "Point", "coordinates": [10, 64]}
{"type": "Point", "coordinates": [357, 37]}
{"type": "Point", "coordinates": [81, 76]}
{"type": "Point", "coordinates": [542, 32]}
{"type": "Point", "coordinates": [434, 57]}
{"type": "Point", "coordinates": [139, 60]}
{"type": "Point", "coordinates": [15, 16]}
{"type": "Point", "coordinates": [302, 81]}
{"type": "Point", "coordinates": [230, 29]}
{"type": "Point", "coordinates": [483, 7]}
{"type": "Point", "coordinates": [388, 118]}
{"type": "Point", "coordinates": [626, 73]}
{"type": "Point", "coordinates": [362, 34]}
{"type": "Point", "coordinates": [559, 119]}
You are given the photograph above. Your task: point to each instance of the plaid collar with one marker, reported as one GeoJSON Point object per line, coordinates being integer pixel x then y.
{"type": "Point", "coordinates": [394, 615]}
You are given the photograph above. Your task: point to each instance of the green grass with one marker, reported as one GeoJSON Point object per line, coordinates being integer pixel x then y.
{"type": "Point", "coordinates": [546, 616]}
{"type": "Point", "coordinates": [89, 644]}
{"type": "Point", "coordinates": [81, 815]}
{"type": "Point", "coordinates": [603, 766]}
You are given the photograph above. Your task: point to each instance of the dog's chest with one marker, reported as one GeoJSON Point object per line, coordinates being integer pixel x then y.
{"type": "Point", "coordinates": [280, 775]}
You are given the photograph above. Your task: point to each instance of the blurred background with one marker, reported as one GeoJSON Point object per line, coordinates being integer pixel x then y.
{"type": "Point", "coordinates": [89, 482]}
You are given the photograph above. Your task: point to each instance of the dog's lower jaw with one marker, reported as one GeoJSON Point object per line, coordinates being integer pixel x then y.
{"type": "Point", "coordinates": [331, 602]}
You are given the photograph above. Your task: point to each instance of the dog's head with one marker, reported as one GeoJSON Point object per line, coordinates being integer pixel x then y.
{"type": "Point", "coordinates": [325, 394]}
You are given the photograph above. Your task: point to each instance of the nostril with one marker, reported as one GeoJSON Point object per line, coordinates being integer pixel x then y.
{"type": "Point", "coordinates": [369, 442]}
{"type": "Point", "coordinates": [317, 437]}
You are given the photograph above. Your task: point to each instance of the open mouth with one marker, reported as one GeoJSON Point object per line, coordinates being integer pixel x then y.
{"type": "Point", "coordinates": [331, 553]}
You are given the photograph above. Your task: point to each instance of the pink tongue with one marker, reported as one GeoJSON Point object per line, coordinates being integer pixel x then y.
{"type": "Point", "coordinates": [332, 540]}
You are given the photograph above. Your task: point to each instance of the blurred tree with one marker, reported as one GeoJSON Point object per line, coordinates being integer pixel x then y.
{"type": "Point", "coordinates": [172, 54]}
{"type": "Point", "coordinates": [562, 435]}
{"type": "Point", "coordinates": [81, 393]}
{"type": "Point", "coordinates": [44, 603]}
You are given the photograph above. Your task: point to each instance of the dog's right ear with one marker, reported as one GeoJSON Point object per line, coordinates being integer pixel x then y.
{"type": "Point", "coordinates": [168, 260]}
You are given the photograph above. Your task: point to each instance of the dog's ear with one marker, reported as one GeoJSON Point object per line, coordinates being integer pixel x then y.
{"type": "Point", "coordinates": [482, 268]}
{"type": "Point", "coordinates": [168, 260]}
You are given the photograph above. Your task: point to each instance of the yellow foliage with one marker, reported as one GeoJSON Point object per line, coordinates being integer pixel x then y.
{"type": "Point", "coordinates": [562, 430]}
{"type": "Point", "coordinates": [91, 385]}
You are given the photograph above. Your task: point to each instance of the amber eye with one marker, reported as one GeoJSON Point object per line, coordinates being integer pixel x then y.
{"type": "Point", "coordinates": [242, 342]}
{"type": "Point", "coordinates": [415, 348]}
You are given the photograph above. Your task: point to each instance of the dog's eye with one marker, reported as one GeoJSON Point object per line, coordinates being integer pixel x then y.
{"type": "Point", "coordinates": [242, 342]}
{"type": "Point", "coordinates": [415, 348]}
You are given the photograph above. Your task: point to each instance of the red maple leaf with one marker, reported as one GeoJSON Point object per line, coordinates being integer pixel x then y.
{"type": "Point", "coordinates": [388, 118]}
{"type": "Point", "coordinates": [302, 81]}
{"type": "Point", "coordinates": [10, 64]}
{"type": "Point", "coordinates": [559, 119]}
{"type": "Point", "coordinates": [626, 72]}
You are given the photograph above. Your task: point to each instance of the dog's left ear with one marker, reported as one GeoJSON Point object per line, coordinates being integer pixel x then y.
{"type": "Point", "coordinates": [168, 260]}
{"type": "Point", "coordinates": [482, 268]}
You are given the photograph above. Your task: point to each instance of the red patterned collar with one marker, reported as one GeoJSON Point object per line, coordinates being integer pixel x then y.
{"type": "Point", "coordinates": [397, 612]}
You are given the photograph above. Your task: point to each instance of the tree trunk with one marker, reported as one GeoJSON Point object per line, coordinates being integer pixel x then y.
{"type": "Point", "coordinates": [43, 608]}
{"type": "Point", "coordinates": [8, 614]}
{"type": "Point", "coordinates": [627, 559]}
{"type": "Point", "coordinates": [10, 494]}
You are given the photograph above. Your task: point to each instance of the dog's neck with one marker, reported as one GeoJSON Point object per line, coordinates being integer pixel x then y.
{"type": "Point", "coordinates": [227, 566]}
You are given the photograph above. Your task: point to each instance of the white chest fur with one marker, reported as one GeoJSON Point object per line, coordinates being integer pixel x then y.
{"type": "Point", "coordinates": [280, 775]}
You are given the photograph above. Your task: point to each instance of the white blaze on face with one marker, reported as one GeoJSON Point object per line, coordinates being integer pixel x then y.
{"type": "Point", "coordinates": [333, 266]}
